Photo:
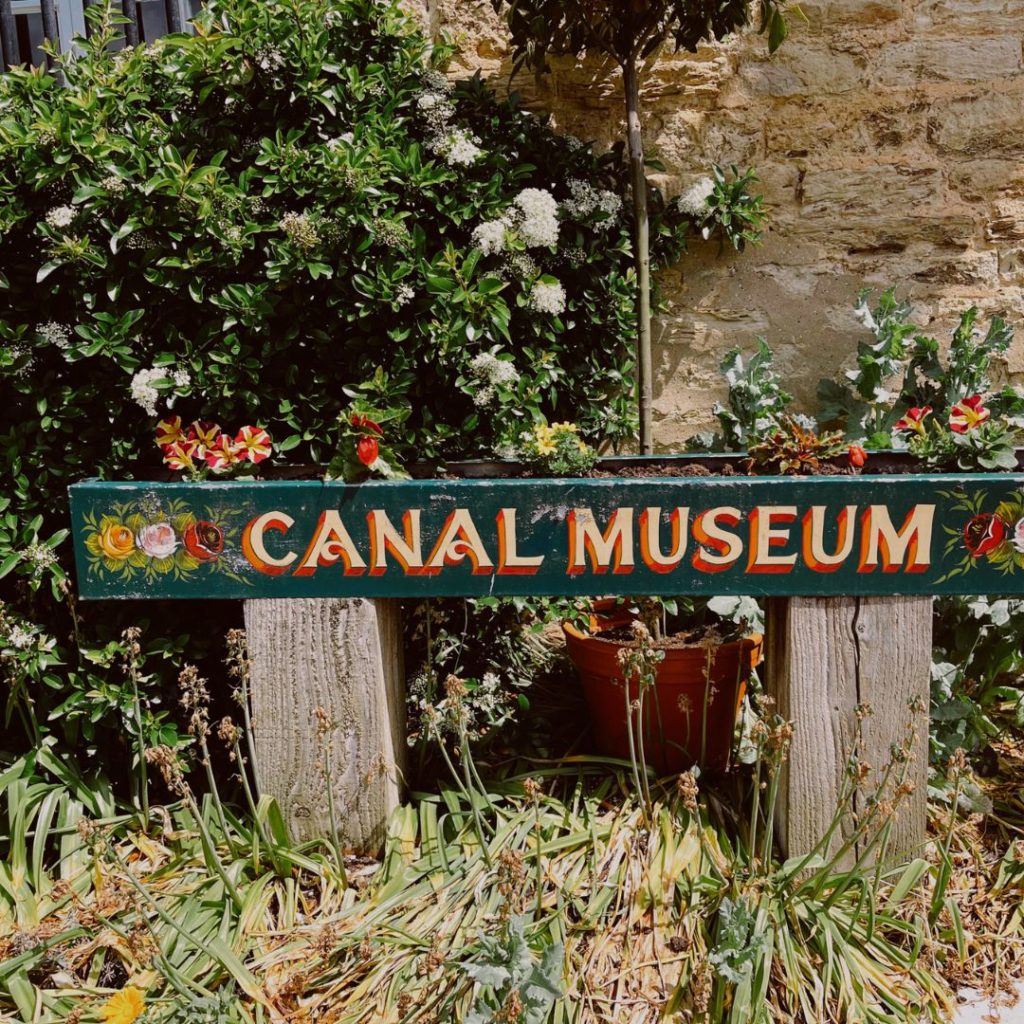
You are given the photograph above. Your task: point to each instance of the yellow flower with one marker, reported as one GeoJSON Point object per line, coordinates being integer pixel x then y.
{"type": "Point", "coordinates": [545, 446]}
{"type": "Point", "coordinates": [123, 1007]}
{"type": "Point", "coordinates": [570, 428]}
{"type": "Point", "coordinates": [117, 541]}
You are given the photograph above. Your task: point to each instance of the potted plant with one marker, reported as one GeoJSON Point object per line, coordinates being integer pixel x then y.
{"type": "Point", "coordinates": [687, 670]}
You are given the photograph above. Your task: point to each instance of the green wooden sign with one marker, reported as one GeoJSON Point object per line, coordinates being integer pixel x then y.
{"type": "Point", "coordinates": [880, 534]}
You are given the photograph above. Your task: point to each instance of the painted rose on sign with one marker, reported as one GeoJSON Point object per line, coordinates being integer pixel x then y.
{"type": "Point", "coordinates": [153, 540]}
{"type": "Point", "coordinates": [996, 536]}
{"type": "Point", "coordinates": [158, 540]}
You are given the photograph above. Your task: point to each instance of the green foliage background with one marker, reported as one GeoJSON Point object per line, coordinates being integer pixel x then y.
{"type": "Point", "coordinates": [182, 163]}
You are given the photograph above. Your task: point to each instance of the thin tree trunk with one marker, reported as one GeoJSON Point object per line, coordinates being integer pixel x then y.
{"type": "Point", "coordinates": [638, 176]}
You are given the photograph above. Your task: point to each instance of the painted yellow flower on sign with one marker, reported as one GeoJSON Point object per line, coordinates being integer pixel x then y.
{"type": "Point", "coordinates": [123, 1007]}
{"type": "Point", "coordinates": [117, 541]}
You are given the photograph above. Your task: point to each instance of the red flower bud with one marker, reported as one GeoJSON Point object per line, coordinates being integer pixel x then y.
{"type": "Point", "coordinates": [858, 456]}
{"type": "Point", "coordinates": [367, 449]}
{"type": "Point", "coordinates": [361, 422]}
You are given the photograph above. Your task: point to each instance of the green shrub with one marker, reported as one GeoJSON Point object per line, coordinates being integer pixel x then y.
{"type": "Point", "coordinates": [281, 218]}
{"type": "Point", "coordinates": [287, 211]}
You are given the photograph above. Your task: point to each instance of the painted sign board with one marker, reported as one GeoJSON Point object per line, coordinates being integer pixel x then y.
{"type": "Point", "coordinates": [881, 534]}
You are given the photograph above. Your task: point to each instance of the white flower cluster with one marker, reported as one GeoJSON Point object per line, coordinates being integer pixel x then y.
{"type": "Point", "coordinates": [20, 637]}
{"type": "Point", "coordinates": [145, 392]}
{"type": "Point", "coordinates": [546, 297]}
{"type": "Point", "coordinates": [489, 237]}
{"type": "Point", "coordinates": [269, 59]}
{"type": "Point", "coordinates": [404, 294]}
{"type": "Point", "coordinates": [114, 184]}
{"type": "Point", "coordinates": [436, 110]}
{"type": "Point", "coordinates": [521, 266]}
{"type": "Point", "coordinates": [587, 200]}
{"type": "Point", "coordinates": [538, 218]}
{"type": "Point", "coordinates": [532, 218]}
{"type": "Point", "coordinates": [694, 200]}
{"type": "Point", "coordinates": [491, 371]}
{"type": "Point", "coordinates": [300, 230]}
{"type": "Point", "coordinates": [41, 556]}
{"type": "Point", "coordinates": [392, 233]}
{"type": "Point", "coordinates": [458, 147]}
{"type": "Point", "coordinates": [22, 354]}
{"type": "Point", "coordinates": [60, 216]}
{"type": "Point", "coordinates": [55, 334]}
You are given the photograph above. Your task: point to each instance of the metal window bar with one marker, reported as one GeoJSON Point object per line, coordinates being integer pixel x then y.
{"type": "Point", "coordinates": [61, 21]}
{"type": "Point", "coordinates": [9, 35]}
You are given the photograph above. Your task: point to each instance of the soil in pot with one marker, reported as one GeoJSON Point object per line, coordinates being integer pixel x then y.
{"type": "Point", "coordinates": [689, 716]}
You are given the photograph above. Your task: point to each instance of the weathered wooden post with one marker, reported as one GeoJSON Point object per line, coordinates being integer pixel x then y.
{"type": "Point", "coordinates": [345, 658]}
{"type": "Point", "coordinates": [825, 657]}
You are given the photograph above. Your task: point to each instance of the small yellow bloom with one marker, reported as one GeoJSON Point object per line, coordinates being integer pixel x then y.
{"type": "Point", "coordinates": [123, 1007]}
{"type": "Point", "coordinates": [568, 427]}
{"type": "Point", "coordinates": [545, 446]}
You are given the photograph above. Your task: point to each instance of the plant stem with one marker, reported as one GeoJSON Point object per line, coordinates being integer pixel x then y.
{"type": "Point", "coordinates": [141, 752]}
{"type": "Point", "coordinates": [638, 179]}
{"type": "Point", "coordinates": [211, 781]}
{"type": "Point", "coordinates": [332, 817]}
{"type": "Point", "coordinates": [243, 683]}
{"type": "Point", "coordinates": [210, 849]}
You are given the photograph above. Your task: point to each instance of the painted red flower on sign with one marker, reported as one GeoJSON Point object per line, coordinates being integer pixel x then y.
{"type": "Point", "coordinates": [984, 533]}
{"type": "Point", "coordinates": [858, 456]}
{"type": "Point", "coordinates": [203, 540]}
{"type": "Point", "coordinates": [913, 419]}
{"type": "Point", "coordinates": [967, 414]}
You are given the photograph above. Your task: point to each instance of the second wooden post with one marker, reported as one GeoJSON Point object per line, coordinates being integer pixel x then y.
{"type": "Point", "coordinates": [826, 657]}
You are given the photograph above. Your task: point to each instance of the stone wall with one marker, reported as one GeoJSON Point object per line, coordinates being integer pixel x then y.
{"type": "Point", "coordinates": [889, 138]}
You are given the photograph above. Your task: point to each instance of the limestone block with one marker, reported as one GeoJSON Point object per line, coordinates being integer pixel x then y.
{"type": "Point", "coordinates": [985, 124]}
{"type": "Point", "coordinates": [810, 69]}
{"type": "Point", "coordinates": [903, 65]}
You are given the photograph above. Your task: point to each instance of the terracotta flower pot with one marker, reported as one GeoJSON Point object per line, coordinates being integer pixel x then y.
{"type": "Point", "coordinates": [689, 716]}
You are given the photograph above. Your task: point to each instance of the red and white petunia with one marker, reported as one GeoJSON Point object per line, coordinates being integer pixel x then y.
{"type": "Point", "coordinates": [913, 419]}
{"type": "Point", "coordinates": [221, 455]}
{"type": "Point", "coordinates": [253, 443]}
{"type": "Point", "coordinates": [205, 434]}
{"type": "Point", "coordinates": [169, 431]}
{"type": "Point", "coordinates": [967, 414]}
{"type": "Point", "coordinates": [180, 456]}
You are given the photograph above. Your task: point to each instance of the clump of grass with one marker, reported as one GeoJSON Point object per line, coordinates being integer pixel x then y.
{"type": "Point", "coordinates": [560, 892]}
